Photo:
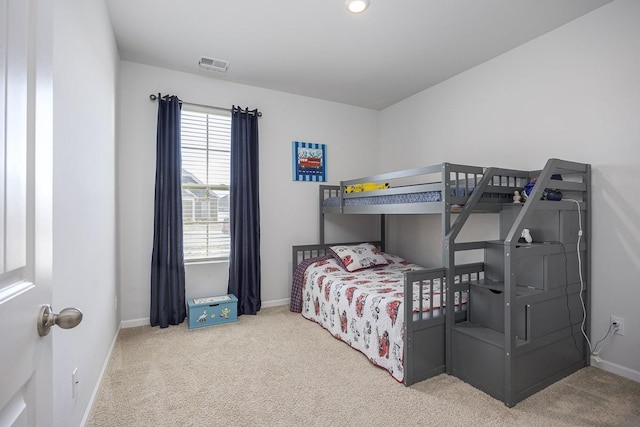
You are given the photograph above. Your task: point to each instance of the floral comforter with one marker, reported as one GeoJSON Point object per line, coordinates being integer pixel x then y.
{"type": "Point", "coordinates": [363, 308]}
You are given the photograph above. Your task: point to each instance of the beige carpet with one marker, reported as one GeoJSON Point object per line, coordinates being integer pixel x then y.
{"type": "Point", "coordinates": [278, 369]}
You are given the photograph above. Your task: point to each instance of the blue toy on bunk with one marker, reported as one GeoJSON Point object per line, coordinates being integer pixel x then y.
{"type": "Point", "coordinates": [529, 187]}
{"type": "Point", "coordinates": [548, 194]}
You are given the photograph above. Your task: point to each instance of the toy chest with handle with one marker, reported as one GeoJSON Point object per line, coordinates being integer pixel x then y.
{"type": "Point", "coordinates": [209, 311]}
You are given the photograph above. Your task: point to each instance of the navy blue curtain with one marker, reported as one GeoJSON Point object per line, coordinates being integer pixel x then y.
{"type": "Point", "coordinates": [167, 261]}
{"type": "Point", "coordinates": [244, 209]}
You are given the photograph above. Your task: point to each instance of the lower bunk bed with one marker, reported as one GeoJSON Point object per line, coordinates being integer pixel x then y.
{"type": "Point", "coordinates": [390, 310]}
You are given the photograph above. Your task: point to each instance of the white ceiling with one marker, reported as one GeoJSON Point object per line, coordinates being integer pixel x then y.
{"type": "Point", "coordinates": [316, 48]}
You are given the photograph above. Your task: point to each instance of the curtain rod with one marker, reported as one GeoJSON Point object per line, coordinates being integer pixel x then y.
{"type": "Point", "coordinates": [154, 97]}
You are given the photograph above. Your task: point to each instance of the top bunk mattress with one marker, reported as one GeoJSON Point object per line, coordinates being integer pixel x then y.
{"type": "Point", "coordinates": [428, 196]}
{"type": "Point", "coordinates": [391, 199]}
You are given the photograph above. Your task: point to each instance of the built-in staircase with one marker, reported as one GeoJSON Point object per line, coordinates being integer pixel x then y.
{"type": "Point", "coordinates": [524, 319]}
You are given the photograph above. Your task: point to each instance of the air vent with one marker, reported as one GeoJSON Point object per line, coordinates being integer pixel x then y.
{"type": "Point", "coordinates": [213, 64]}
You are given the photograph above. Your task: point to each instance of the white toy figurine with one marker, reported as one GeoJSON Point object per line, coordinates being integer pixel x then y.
{"type": "Point", "coordinates": [526, 234]}
{"type": "Point", "coordinates": [516, 197]}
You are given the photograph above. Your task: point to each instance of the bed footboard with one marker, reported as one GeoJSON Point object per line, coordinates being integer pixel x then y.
{"type": "Point", "coordinates": [424, 325]}
{"type": "Point", "coordinates": [425, 329]}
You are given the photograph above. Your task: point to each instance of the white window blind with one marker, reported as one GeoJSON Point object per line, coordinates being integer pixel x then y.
{"type": "Point", "coordinates": [206, 146]}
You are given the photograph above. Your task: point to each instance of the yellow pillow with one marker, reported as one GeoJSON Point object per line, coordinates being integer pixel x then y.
{"type": "Point", "coordinates": [365, 186]}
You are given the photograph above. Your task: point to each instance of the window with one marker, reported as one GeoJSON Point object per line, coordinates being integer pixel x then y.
{"type": "Point", "coordinates": [206, 155]}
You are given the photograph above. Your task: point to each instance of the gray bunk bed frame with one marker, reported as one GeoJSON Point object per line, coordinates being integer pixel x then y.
{"type": "Point", "coordinates": [521, 329]}
{"type": "Point", "coordinates": [424, 352]}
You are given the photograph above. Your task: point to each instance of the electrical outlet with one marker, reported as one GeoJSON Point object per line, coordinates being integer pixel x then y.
{"type": "Point", "coordinates": [74, 383]}
{"type": "Point", "coordinates": [620, 322]}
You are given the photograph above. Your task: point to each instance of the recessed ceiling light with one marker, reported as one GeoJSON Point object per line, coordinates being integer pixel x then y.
{"type": "Point", "coordinates": [357, 6]}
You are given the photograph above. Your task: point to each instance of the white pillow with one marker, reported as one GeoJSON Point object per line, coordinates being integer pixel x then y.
{"type": "Point", "coordinates": [358, 257]}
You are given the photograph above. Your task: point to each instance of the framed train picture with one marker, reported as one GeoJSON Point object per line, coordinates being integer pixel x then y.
{"type": "Point", "coordinates": [309, 161]}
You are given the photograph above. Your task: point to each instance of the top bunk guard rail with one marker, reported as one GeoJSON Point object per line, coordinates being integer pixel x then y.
{"type": "Point", "coordinates": [391, 176]}
{"type": "Point", "coordinates": [416, 188]}
{"type": "Point", "coordinates": [455, 182]}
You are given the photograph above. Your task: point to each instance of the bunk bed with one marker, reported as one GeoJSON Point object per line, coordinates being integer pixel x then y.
{"type": "Point", "coordinates": [517, 322]}
{"type": "Point", "coordinates": [436, 189]}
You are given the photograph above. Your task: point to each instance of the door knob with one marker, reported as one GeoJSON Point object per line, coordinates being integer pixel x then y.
{"type": "Point", "coordinates": [66, 319]}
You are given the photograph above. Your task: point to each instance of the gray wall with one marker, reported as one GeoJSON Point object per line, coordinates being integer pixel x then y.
{"type": "Point", "coordinates": [85, 66]}
{"type": "Point", "coordinates": [288, 209]}
{"type": "Point", "coordinates": [573, 93]}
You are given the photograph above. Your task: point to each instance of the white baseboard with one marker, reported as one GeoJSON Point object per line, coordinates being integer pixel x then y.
{"type": "Point", "coordinates": [145, 321]}
{"type": "Point", "coordinates": [87, 412]}
{"type": "Point", "coordinates": [616, 369]}
{"type": "Point", "coordinates": [275, 303]}
{"type": "Point", "coordinates": [124, 324]}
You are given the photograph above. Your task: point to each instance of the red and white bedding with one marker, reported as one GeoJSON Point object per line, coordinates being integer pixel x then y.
{"type": "Point", "coordinates": [365, 308]}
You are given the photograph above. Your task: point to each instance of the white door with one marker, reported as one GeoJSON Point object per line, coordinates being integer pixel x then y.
{"type": "Point", "coordinates": [25, 210]}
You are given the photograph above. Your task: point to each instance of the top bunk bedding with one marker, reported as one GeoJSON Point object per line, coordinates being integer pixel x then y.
{"type": "Point", "coordinates": [423, 197]}
{"type": "Point", "coordinates": [420, 190]}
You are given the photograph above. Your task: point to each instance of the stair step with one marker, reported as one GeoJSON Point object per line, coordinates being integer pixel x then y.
{"type": "Point", "coordinates": [498, 287]}
{"type": "Point", "coordinates": [482, 333]}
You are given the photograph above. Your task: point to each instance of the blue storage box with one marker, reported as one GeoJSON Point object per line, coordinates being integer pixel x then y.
{"type": "Point", "coordinates": [212, 310]}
